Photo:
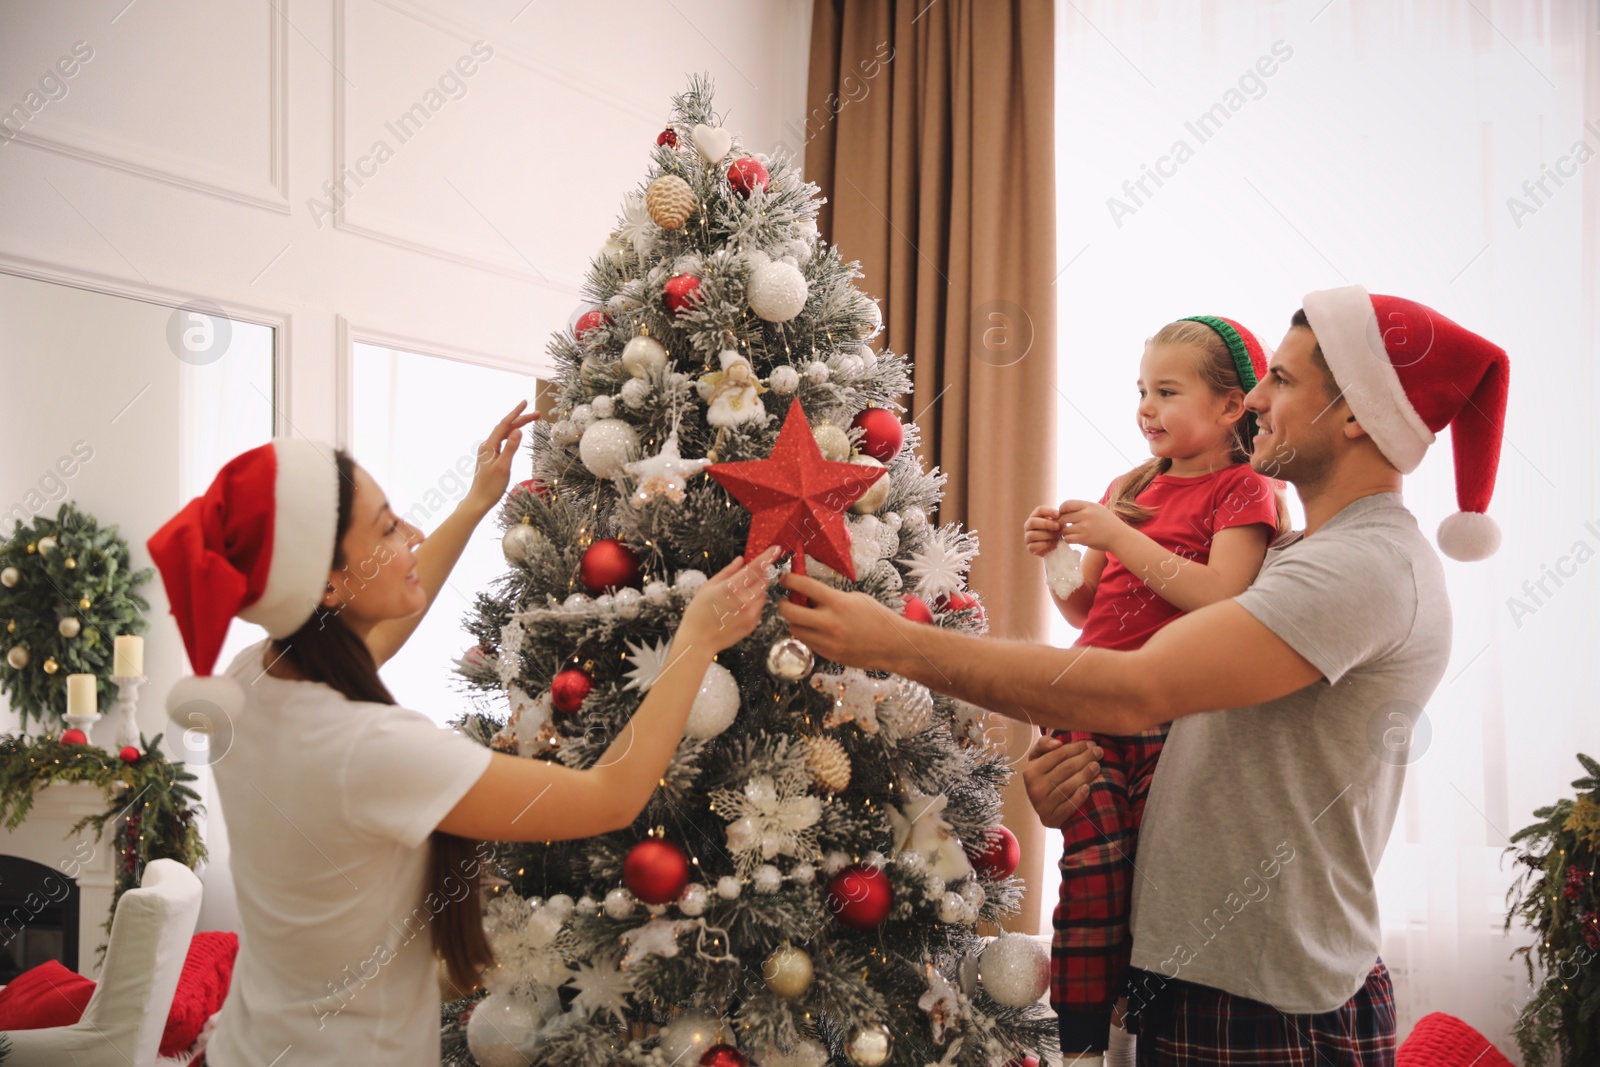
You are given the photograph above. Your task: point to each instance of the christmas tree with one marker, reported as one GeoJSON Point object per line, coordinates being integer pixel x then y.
{"type": "Point", "coordinates": [804, 886]}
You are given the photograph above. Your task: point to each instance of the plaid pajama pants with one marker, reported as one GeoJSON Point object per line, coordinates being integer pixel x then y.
{"type": "Point", "coordinates": [1090, 947]}
{"type": "Point", "coordinates": [1180, 1024]}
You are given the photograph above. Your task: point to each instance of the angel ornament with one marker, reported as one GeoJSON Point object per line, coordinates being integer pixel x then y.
{"type": "Point", "coordinates": [732, 394]}
{"type": "Point", "coordinates": [919, 826]}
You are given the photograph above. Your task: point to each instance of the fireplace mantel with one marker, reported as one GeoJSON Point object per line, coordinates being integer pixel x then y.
{"type": "Point", "coordinates": [44, 838]}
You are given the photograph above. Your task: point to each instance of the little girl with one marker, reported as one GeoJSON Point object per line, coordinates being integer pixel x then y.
{"type": "Point", "coordinates": [1187, 528]}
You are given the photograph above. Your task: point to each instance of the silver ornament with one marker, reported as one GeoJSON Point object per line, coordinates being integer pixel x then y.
{"type": "Point", "coordinates": [521, 543]}
{"type": "Point", "coordinates": [869, 1045]}
{"type": "Point", "coordinates": [606, 445]}
{"type": "Point", "coordinates": [642, 355]}
{"type": "Point", "coordinates": [789, 659]}
{"type": "Point", "coordinates": [876, 494]}
{"type": "Point", "coordinates": [952, 909]}
{"type": "Point", "coordinates": [1015, 970]}
{"type": "Point", "coordinates": [832, 442]}
{"type": "Point", "coordinates": [502, 1025]}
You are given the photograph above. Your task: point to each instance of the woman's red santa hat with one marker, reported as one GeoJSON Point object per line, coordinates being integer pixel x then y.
{"type": "Point", "coordinates": [1407, 373]}
{"type": "Point", "coordinates": [259, 545]}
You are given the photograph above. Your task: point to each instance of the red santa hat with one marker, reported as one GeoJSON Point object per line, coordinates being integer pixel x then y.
{"type": "Point", "coordinates": [259, 545]}
{"type": "Point", "coordinates": [1407, 373]}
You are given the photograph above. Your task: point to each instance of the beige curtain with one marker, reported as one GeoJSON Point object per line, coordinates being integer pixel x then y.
{"type": "Point", "coordinates": [931, 133]}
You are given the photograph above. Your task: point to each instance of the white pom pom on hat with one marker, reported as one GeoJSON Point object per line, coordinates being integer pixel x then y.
{"type": "Point", "coordinates": [257, 544]}
{"type": "Point", "coordinates": [1407, 373]}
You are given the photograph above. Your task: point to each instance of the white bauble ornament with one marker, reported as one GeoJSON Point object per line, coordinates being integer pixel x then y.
{"type": "Point", "coordinates": [776, 290]}
{"type": "Point", "coordinates": [498, 1026]}
{"type": "Point", "coordinates": [789, 659]}
{"type": "Point", "coordinates": [562, 432]}
{"type": "Point", "coordinates": [619, 903]}
{"type": "Point", "coordinates": [767, 879]}
{"type": "Point", "coordinates": [933, 888]}
{"type": "Point", "coordinates": [787, 971]}
{"type": "Point", "coordinates": [685, 1039]}
{"type": "Point", "coordinates": [634, 392]}
{"type": "Point", "coordinates": [834, 862]}
{"type": "Point", "coordinates": [803, 873]}
{"type": "Point", "coordinates": [603, 407]}
{"type": "Point", "coordinates": [607, 445]}
{"type": "Point", "coordinates": [690, 581]}
{"type": "Point", "coordinates": [694, 900]}
{"type": "Point", "coordinates": [643, 354]}
{"type": "Point", "coordinates": [952, 909]}
{"type": "Point", "coordinates": [670, 201]}
{"type": "Point", "coordinates": [10, 577]}
{"type": "Point", "coordinates": [869, 1045]}
{"type": "Point", "coordinates": [784, 379]}
{"type": "Point", "coordinates": [626, 601]}
{"type": "Point", "coordinates": [577, 601]}
{"type": "Point", "coordinates": [581, 417]}
{"type": "Point", "coordinates": [875, 496]}
{"type": "Point", "coordinates": [729, 887]}
{"type": "Point", "coordinates": [46, 544]}
{"type": "Point", "coordinates": [522, 543]}
{"type": "Point", "coordinates": [869, 358]}
{"type": "Point", "coordinates": [1015, 970]}
{"type": "Point", "coordinates": [614, 251]}
{"type": "Point", "coordinates": [18, 657]}
{"type": "Point", "coordinates": [715, 705]}
{"type": "Point", "coordinates": [1063, 569]}
{"type": "Point", "coordinates": [832, 442]}
{"type": "Point", "coordinates": [657, 592]}
{"type": "Point", "coordinates": [972, 893]}
{"type": "Point", "coordinates": [560, 906]}
{"type": "Point", "coordinates": [818, 371]}
{"type": "Point", "coordinates": [69, 627]}
{"type": "Point", "coordinates": [807, 1053]}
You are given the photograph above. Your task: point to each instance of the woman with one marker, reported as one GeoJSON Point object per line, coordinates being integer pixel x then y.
{"type": "Point", "coordinates": [351, 820]}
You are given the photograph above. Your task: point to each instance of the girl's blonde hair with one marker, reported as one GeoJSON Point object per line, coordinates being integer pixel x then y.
{"type": "Point", "coordinates": [1221, 376]}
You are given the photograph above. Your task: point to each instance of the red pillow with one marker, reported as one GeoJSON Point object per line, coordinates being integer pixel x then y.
{"type": "Point", "coordinates": [46, 995]}
{"type": "Point", "coordinates": [50, 995]}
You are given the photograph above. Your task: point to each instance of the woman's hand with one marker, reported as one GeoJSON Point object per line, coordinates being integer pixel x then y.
{"type": "Point", "coordinates": [1091, 525]}
{"type": "Point", "coordinates": [494, 460]}
{"type": "Point", "coordinates": [1042, 530]}
{"type": "Point", "coordinates": [727, 608]}
{"type": "Point", "coordinates": [1057, 777]}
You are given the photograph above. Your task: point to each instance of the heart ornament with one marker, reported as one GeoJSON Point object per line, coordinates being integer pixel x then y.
{"type": "Point", "coordinates": [714, 142]}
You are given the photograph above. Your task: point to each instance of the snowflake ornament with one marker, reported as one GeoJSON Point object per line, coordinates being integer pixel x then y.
{"type": "Point", "coordinates": [664, 474]}
{"type": "Point", "coordinates": [602, 986]}
{"type": "Point", "coordinates": [770, 816]}
{"type": "Point", "coordinates": [940, 567]}
{"type": "Point", "coordinates": [637, 226]}
{"type": "Point", "coordinates": [648, 663]}
{"type": "Point", "coordinates": [856, 696]}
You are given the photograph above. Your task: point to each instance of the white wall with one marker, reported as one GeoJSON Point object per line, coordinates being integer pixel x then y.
{"type": "Point", "coordinates": [168, 150]}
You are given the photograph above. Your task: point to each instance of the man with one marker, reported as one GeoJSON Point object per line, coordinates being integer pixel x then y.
{"type": "Point", "coordinates": [1255, 924]}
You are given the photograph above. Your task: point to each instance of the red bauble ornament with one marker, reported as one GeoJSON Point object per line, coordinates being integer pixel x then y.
{"type": "Point", "coordinates": [656, 871]}
{"type": "Point", "coordinates": [747, 174]}
{"type": "Point", "coordinates": [723, 1056]}
{"type": "Point", "coordinates": [475, 658]}
{"type": "Point", "coordinates": [1000, 855]}
{"type": "Point", "coordinates": [590, 320]}
{"type": "Point", "coordinates": [129, 754]}
{"type": "Point", "coordinates": [961, 600]}
{"type": "Point", "coordinates": [916, 609]}
{"type": "Point", "coordinates": [74, 736]}
{"type": "Point", "coordinates": [668, 137]}
{"type": "Point", "coordinates": [608, 564]}
{"type": "Point", "coordinates": [1023, 1061]}
{"type": "Point", "coordinates": [860, 896]}
{"type": "Point", "coordinates": [796, 498]}
{"type": "Point", "coordinates": [681, 293]}
{"type": "Point", "coordinates": [882, 433]}
{"type": "Point", "coordinates": [534, 486]}
{"type": "Point", "coordinates": [568, 688]}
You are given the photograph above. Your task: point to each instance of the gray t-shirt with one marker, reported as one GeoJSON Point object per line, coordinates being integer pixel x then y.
{"type": "Point", "coordinates": [1264, 824]}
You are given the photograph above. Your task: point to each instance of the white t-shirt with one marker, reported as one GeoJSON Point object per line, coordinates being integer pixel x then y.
{"type": "Point", "coordinates": [329, 804]}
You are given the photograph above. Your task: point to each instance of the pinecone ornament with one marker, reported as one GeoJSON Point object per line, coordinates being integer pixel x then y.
{"type": "Point", "coordinates": [669, 201]}
{"type": "Point", "coordinates": [829, 763]}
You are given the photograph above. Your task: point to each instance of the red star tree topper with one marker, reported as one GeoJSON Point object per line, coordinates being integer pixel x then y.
{"type": "Point", "coordinates": [797, 499]}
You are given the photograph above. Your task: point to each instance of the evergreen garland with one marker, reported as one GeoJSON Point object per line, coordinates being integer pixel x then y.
{"type": "Point", "coordinates": [149, 798]}
{"type": "Point", "coordinates": [1555, 896]}
{"type": "Point", "coordinates": [84, 576]}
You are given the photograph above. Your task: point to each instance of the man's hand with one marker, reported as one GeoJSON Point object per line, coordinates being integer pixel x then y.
{"type": "Point", "coordinates": [1042, 530]}
{"type": "Point", "coordinates": [494, 459]}
{"type": "Point", "coordinates": [1091, 525]}
{"type": "Point", "coordinates": [851, 629]}
{"type": "Point", "coordinates": [1057, 776]}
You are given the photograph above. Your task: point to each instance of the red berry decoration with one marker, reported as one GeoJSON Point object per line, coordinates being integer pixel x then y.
{"type": "Point", "coordinates": [916, 609]}
{"type": "Point", "coordinates": [590, 320]}
{"type": "Point", "coordinates": [608, 564]}
{"type": "Point", "coordinates": [656, 871]}
{"type": "Point", "coordinates": [860, 896]}
{"type": "Point", "coordinates": [882, 433]}
{"type": "Point", "coordinates": [568, 689]}
{"type": "Point", "coordinates": [681, 293]}
{"type": "Point", "coordinates": [74, 737]}
{"type": "Point", "coordinates": [534, 486]}
{"type": "Point", "coordinates": [1000, 855]}
{"type": "Point", "coordinates": [723, 1056]}
{"type": "Point", "coordinates": [668, 137]}
{"type": "Point", "coordinates": [129, 754]}
{"type": "Point", "coordinates": [746, 175]}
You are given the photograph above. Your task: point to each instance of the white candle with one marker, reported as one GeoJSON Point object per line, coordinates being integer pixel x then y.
{"type": "Point", "coordinates": [81, 699]}
{"type": "Point", "coordinates": [129, 661]}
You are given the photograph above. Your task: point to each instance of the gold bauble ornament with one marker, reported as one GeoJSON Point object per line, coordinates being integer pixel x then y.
{"type": "Point", "coordinates": [84, 604]}
{"type": "Point", "coordinates": [829, 763]}
{"type": "Point", "coordinates": [832, 442]}
{"type": "Point", "coordinates": [10, 577]}
{"type": "Point", "coordinates": [32, 548]}
{"type": "Point", "coordinates": [69, 626]}
{"type": "Point", "coordinates": [70, 563]}
{"type": "Point", "coordinates": [876, 495]}
{"type": "Point", "coordinates": [18, 657]}
{"type": "Point", "coordinates": [50, 665]}
{"type": "Point", "coordinates": [46, 544]}
{"type": "Point", "coordinates": [787, 971]}
{"type": "Point", "coordinates": [869, 1045]}
{"type": "Point", "coordinates": [11, 626]}
{"type": "Point", "coordinates": [669, 201]}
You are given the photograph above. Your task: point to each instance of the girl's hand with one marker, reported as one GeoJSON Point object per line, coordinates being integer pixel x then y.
{"type": "Point", "coordinates": [1042, 530]}
{"type": "Point", "coordinates": [1058, 775]}
{"type": "Point", "coordinates": [727, 608]}
{"type": "Point", "coordinates": [1091, 525]}
{"type": "Point", "coordinates": [494, 459]}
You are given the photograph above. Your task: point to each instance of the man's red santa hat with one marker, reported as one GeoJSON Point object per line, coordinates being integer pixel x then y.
{"type": "Point", "coordinates": [1407, 373]}
{"type": "Point", "coordinates": [259, 545]}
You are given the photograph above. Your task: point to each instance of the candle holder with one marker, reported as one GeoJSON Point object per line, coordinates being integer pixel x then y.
{"type": "Point", "coordinates": [80, 721]}
{"type": "Point", "coordinates": [126, 703]}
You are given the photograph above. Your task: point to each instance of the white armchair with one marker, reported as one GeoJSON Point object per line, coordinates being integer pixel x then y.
{"type": "Point", "coordinates": [122, 1025]}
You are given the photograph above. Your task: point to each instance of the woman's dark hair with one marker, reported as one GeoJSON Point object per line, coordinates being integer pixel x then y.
{"type": "Point", "coordinates": [326, 650]}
